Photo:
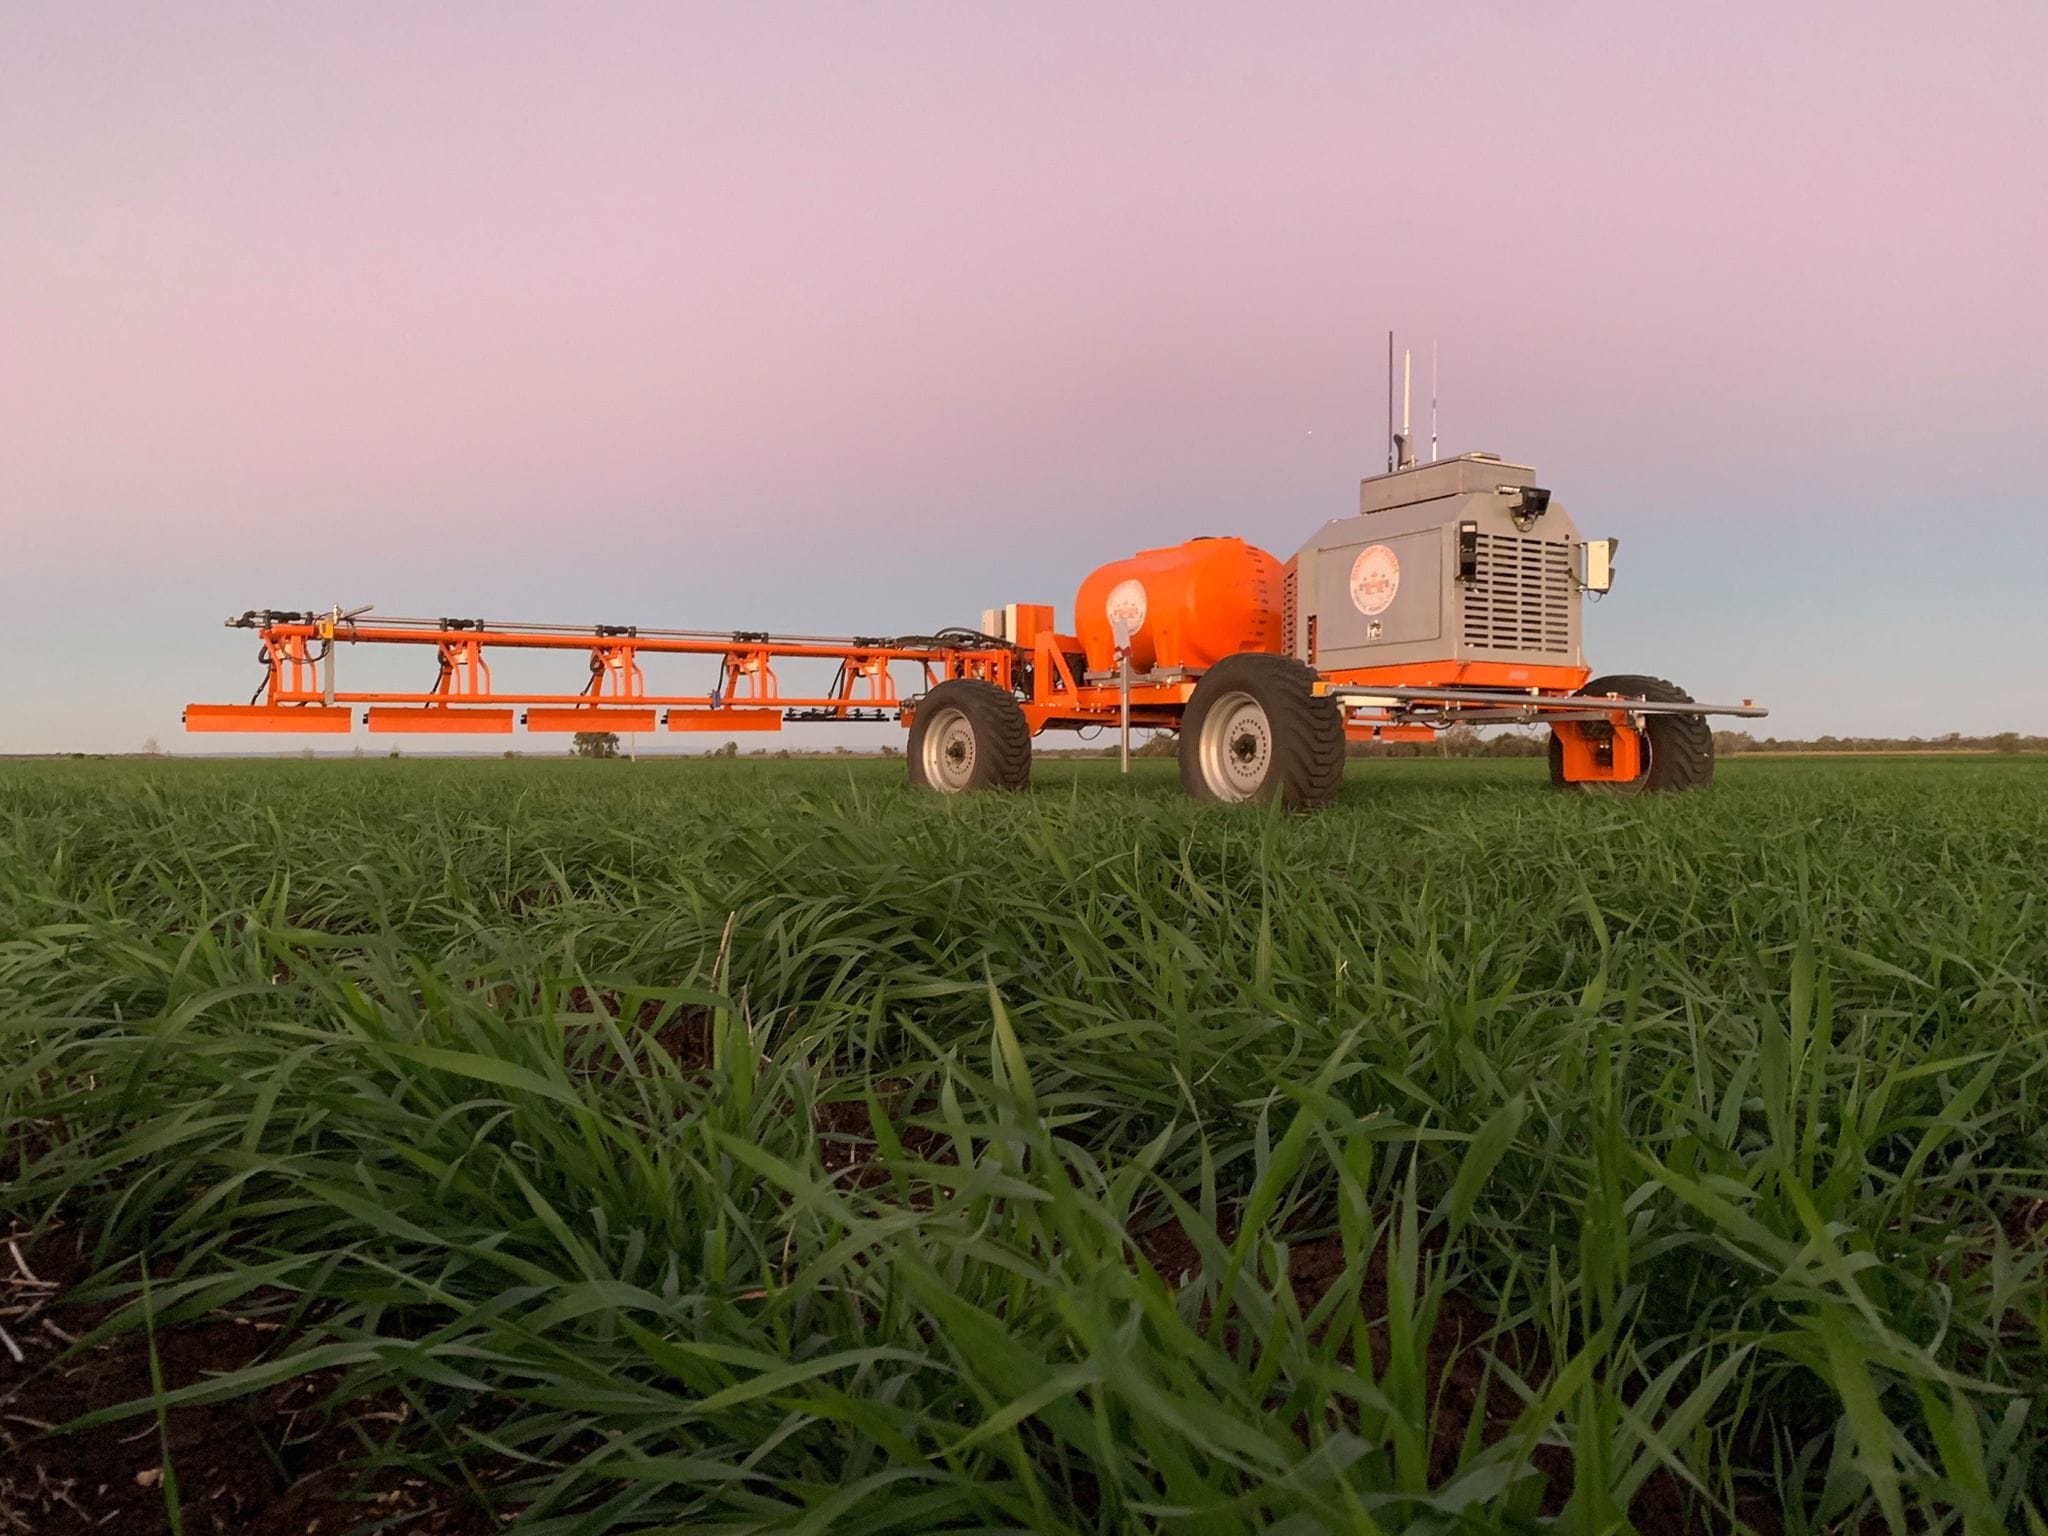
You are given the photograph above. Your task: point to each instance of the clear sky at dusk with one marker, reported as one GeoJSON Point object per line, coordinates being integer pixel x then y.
{"type": "Point", "coordinates": [867, 317]}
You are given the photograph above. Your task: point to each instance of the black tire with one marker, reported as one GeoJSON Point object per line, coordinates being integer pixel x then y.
{"type": "Point", "coordinates": [1254, 730]}
{"type": "Point", "coordinates": [1680, 748]}
{"type": "Point", "coordinates": [967, 734]}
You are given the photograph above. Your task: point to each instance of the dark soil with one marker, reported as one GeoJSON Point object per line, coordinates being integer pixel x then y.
{"type": "Point", "coordinates": [846, 1138]}
{"type": "Point", "coordinates": [278, 1463]}
{"type": "Point", "coordinates": [1460, 1384]}
{"type": "Point", "coordinates": [685, 1035]}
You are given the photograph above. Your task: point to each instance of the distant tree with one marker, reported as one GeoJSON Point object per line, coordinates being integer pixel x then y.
{"type": "Point", "coordinates": [888, 749]}
{"type": "Point", "coordinates": [595, 744]}
{"type": "Point", "coordinates": [396, 754]}
{"type": "Point", "coordinates": [730, 749]}
{"type": "Point", "coordinates": [1458, 741]}
{"type": "Point", "coordinates": [1162, 744]}
{"type": "Point", "coordinates": [151, 749]}
{"type": "Point", "coordinates": [1386, 748]}
{"type": "Point", "coordinates": [2006, 741]}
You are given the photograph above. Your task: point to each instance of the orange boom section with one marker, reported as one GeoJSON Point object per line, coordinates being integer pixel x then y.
{"type": "Point", "coordinates": [301, 690]}
{"type": "Point", "coordinates": [1187, 607]}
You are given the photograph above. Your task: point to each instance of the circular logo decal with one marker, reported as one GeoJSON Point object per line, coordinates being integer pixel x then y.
{"type": "Point", "coordinates": [1126, 606]}
{"type": "Point", "coordinates": [1375, 578]}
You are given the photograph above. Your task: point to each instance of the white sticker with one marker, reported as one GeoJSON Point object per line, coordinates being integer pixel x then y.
{"type": "Point", "coordinates": [1375, 578]}
{"type": "Point", "coordinates": [1126, 606]}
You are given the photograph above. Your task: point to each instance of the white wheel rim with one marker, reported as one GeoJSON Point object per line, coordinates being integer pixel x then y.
{"type": "Point", "coordinates": [949, 751]}
{"type": "Point", "coordinates": [1236, 747]}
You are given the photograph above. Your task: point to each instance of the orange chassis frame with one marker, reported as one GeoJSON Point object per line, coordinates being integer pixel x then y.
{"type": "Point", "coordinates": [300, 693]}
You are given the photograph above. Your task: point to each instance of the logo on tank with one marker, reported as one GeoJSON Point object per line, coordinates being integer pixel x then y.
{"type": "Point", "coordinates": [1375, 578]}
{"type": "Point", "coordinates": [1125, 605]}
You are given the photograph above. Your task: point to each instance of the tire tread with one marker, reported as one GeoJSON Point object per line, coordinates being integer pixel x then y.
{"type": "Point", "coordinates": [1681, 746]}
{"type": "Point", "coordinates": [1308, 732]}
{"type": "Point", "coordinates": [1002, 739]}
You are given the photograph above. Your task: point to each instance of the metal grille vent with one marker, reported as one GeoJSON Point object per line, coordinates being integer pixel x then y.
{"type": "Point", "coordinates": [1288, 636]}
{"type": "Point", "coordinates": [1521, 598]}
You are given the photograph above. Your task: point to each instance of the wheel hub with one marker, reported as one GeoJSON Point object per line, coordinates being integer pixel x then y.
{"type": "Point", "coordinates": [949, 751]}
{"type": "Point", "coordinates": [1236, 747]}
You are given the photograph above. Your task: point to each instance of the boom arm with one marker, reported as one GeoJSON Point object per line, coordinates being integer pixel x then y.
{"type": "Point", "coordinates": [300, 691]}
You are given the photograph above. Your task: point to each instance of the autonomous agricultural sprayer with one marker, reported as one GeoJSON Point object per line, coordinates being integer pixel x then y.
{"type": "Point", "coordinates": [1452, 596]}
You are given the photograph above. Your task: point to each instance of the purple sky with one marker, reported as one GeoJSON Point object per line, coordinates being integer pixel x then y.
{"type": "Point", "coordinates": [867, 317]}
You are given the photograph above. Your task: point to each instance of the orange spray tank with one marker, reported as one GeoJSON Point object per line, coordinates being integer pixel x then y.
{"type": "Point", "coordinates": [1187, 606]}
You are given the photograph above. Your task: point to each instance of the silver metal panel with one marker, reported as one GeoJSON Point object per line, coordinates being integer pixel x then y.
{"type": "Point", "coordinates": [1416, 610]}
{"type": "Point", "coordinates": [1468, 474]}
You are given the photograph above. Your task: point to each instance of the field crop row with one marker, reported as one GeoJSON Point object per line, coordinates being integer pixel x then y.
{"type": "Point", "coordinates": [734, 1146]}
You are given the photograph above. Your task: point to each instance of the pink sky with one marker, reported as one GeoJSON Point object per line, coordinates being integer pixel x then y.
{"type": "Point", "coordinates": [868, 317]}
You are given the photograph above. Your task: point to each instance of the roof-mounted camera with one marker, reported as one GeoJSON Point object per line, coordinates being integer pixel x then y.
{"type": "Point", "coordinates": [1530, 503]}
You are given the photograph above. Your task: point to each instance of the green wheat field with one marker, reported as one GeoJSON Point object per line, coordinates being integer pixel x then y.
{"type": "Point", "coordinates": [730, 1146]}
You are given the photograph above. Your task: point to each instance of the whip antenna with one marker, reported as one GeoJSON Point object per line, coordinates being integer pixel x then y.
{"type": "Point", "coordinates": [1390, 402]}
{"type": "Point", "coordinates": [1432, 400]}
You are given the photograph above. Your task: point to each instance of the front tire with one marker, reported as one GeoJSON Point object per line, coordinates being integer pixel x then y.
{"type": "Point", "coordinates": [1678, 750]}
{"type": "Point", "coordinates": [967, 734]}
{"type": "Point", "coordinates": [1255, 730]}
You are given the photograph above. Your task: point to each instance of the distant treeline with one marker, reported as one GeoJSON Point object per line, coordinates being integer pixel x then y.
{"type": "Point", "coordinates": [1726, 742]}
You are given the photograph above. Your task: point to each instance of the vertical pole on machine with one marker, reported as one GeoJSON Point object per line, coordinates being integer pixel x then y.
{"type": "Point", "coordinates": [1390, 402]}
{"type": "Point", "coordinates": [1124, 687]}
{"type": "Point", "coordinates": [1121, 631]}
{"type": "Point", "coordinates": [1406, 456]}
{"type": "Point", "coordinates": [1432, 401]}
{"type": "Point", "coordinates": [327, 629]}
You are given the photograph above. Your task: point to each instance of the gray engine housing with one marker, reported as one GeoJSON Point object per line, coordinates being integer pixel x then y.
{"type": "Point", "coordinates": [1383, 588]}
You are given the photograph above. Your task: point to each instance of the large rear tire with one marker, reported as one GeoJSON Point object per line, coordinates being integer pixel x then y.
{"type": "Point", "coordinates": [967, 734]}
{"type": "Point", "coordinates": [1255, 730]}
{"type": "Point", "coordinates": [1678, 750]}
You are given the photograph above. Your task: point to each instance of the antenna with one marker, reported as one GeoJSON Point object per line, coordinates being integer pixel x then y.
{"type": "Point", "coordinates": [1390, 402]}
{"type": "Point", "coordinates": [1404, 447]}
{"type": "Point", "coordinates": [1407, 373]}
{"type": "Point", "coordinates": [1432, 400]}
